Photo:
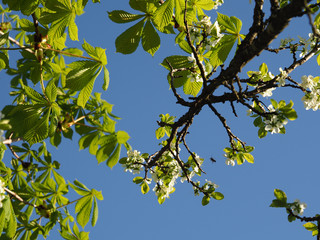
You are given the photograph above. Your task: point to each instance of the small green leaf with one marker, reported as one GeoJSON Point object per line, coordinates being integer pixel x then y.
{"type": "Point", "coordinates": [291, 114]}
{"type": "Point", "coordinates": [274, 103]}
{"type": "Point", "coordinates": [205, 200]}
{"type": "Point", "coordinates": [280, 195]}
{"type": "Point", "coordinates": [137, 180]}
{"type": "Point", "coordinates": [277, 203]}
{"type": "Point", "coordinates": [145, 188]}
{"type": "Point", "coordinates": [310, 226]}
{"type": "Point", "coordinates": [217, 195]}
{"type": "Point", "coordinates": [160, 132]}
{"type": "Point", "coordinates": [248, 157]}
{"type": "Point", "coordinates": [262, 132]}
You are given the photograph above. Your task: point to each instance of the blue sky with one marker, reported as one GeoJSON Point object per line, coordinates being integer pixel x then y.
{"type": "Point", "coordinates": [140, 92]}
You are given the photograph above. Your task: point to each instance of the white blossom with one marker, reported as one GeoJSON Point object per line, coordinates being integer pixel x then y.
{"type": "Point", "coordinates": [230, 161]}
{"type": "Point", "coordinates": [299, 207]}
{"type": "Point", "coordinates": [133, 162]}
{"type": "Point", "coordinates": [282, 77]}
{"type": "Point", "coordinates": [275, 124]}
{"type": "Point", "coordinates": [268, 92]}
{"type": "Point", "coordinates": [195, 33]}
{"type": "Point", "coordinates": [311, 100]}
{"type": "Point", "coordinates": [307, 82]}
{"type": "Point", "coordinates": [217, 4]}
{"type": "Point", "coordinates": [210, 184]}
{"type": "Point", "coordinates": [195, 77]}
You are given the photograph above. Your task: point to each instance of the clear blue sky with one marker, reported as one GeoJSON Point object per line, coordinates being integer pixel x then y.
{"type": "Point", "coordinates": [140, 92]}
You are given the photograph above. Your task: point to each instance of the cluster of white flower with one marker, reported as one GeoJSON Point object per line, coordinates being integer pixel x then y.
{"type": "Point", "coordinates": [195, 77]}
{"type": "Point", "coordinates": [230, 161]}
{"type": "Point", "coordinates": [217, 4]}
{"type": "Point", "coordinates": [281, 79]}
{"type": "Point", "coordinates": [1, 131]}
{"type": "Point", "coordinates": [2, 192]}
{"type": "Point", "coordinates": [268, 92]}
{"type": "Point", "coordinates": [212, 30]}
{"type": "Point", "coordinates": [133, 162]}
{"type": "Point", "coordinates": [275, 124]}
{"type": "Point", "coordinates": [209, 185]}
{"type": "Point", "coordinates": [166, 186]}
{"type": "Point", "coordinates": [298, 207]}
{"type": "Point", "coordinates": [312, 99]}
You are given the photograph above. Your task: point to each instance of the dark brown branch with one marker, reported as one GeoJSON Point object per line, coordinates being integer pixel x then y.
{"type": "Point", "coordinates": [274, 5]}
{"type": "Point", "coordinates": [224, 123]}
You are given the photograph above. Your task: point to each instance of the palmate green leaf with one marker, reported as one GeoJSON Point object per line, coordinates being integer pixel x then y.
{"type": "Point", "coordinates": [226, 22]}
{"type": "Point", "coordinates": [122, 137]}
{"type": "Point", "coordinates": [2, 218]}
{"type": "Point", "coordinates": [183, 44]}
{"type": "Point", "coordinates": [4, 38]}
{"type": "Point", "coordinates": [97, 53]}
{"type": "Point", "coordinates": [150, 39]}
{"type": "Point", "coordinates": [27, 7]}
{"type": "Point", "coordinates": [95, 213]}
{"type": "Point", "coordinates": [4, 61]}
{"type": "Point", "coordinates": [61, 15]}
{"type": "Point", "coordinates": [221, 51]}
{"type": "Point", "coordinates": [39, 132]}
{"type": "Point", "coordinates": [26, 25]}
{"type": "Point", "coordinates": [192, 88]}
{"type": "Point", "coordinates": [10, 222]}
{"type": "Point", "coordinates": [180, 78]}
{"type": "Point", "coordinates": [163, 15]}
{"type": "Point", "coordinates": [144, 5]}
{"type": "Point", "coordinates": [83, 209]}
{"type": "Point", "coordinates": [114, 158]}
{"type": "Point", "coordinates": [120, 16]}
{"type": "Point", "coordinates": [82, 77]}
{"type": "Point", "coordinates": [73, 29]}
{"type": "Point", "coordinates": [106, 79]}
{"type": "Point", "coordinates": [128, 41]}
{"type": "Point", "coordinates": [176, 62]}
{"type": "Point", "coordinates": [86, 140]}
{"type": "Point", "coordinates": [34, 95]}
{"type": "Point", "coordinates": [201, 5]}
{"type": "Point", "coordinates": [80, 188]}
{"type": "Point", "coordinates": [85, 93]}
{"type": "Point", "coordinates": [51, 91]}
{"type": "Point", "coordinates": [179, 12]}
{"type": "Point", "coordinates": [105, 151]}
